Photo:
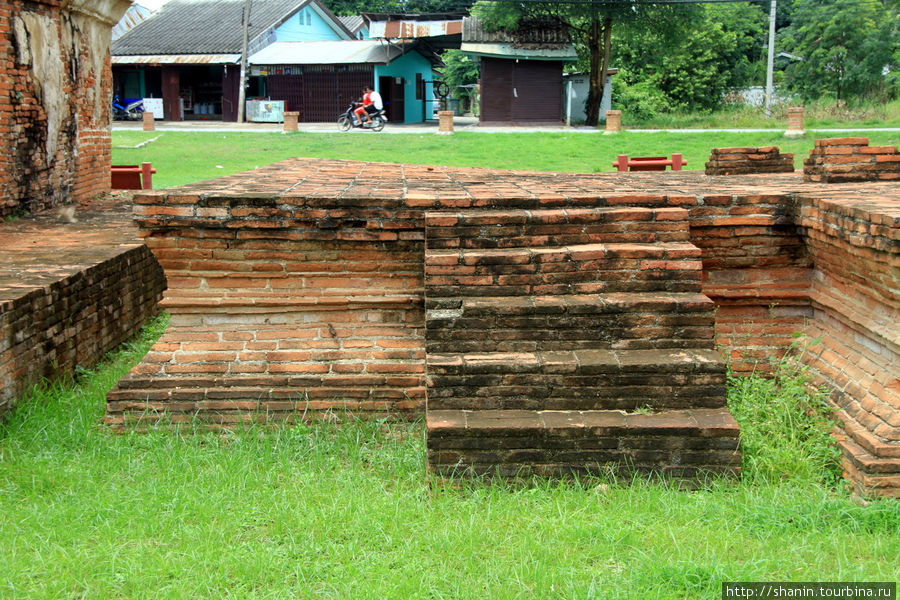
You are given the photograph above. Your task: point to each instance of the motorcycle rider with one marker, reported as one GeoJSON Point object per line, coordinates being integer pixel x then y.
{"type": "Point", "coordinates": [371, 104]}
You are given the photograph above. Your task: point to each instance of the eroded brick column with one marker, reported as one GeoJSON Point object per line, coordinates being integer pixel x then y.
{"type": "Point", "coordinates": [445, 121]}
{"type": "Point", "coordinates": [613, 121]}
{"type": "Point", "coordinates": [55, 84]}
{"type": "Point", "coordinates": [290, 121]}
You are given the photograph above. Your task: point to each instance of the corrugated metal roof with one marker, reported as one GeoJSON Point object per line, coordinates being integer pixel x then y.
{"type": "Point", "coordinates": [326, 53]}
{"type": "Point", "coordinates": [534, 40]}
{"type": "Point", "coordinates": [202, 26]}
{"type": "Point", "coordinates": [531, 34]}
{"type": "Point", "coordinates": [511, 51]}
{"type": "Point", "coordinates": [412, 29]}
{"type": "Point", "coordinates": [353, 23]}
{"type": "Point", "coordinates": [134, 15]}
{"type": "Point", "coordinates": [176, 59]}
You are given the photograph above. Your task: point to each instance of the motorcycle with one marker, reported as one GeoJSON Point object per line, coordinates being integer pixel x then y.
{"type": "Point", "coordinates": [348, 120]}
{"type": "Point", "coordinates": [131, 110]}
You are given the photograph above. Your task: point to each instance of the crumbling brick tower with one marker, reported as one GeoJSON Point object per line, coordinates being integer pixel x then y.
{"type": "Point", "coordinates": [55, 87]}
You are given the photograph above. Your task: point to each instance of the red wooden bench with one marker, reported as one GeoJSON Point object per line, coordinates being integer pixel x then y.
{"type": "Point", "coordinates": [649, 163]}
{"type": "Point", "coordinates": [132, 177]}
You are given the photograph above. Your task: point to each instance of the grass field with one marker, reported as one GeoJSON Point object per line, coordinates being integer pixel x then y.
{"type": "Point", "coordinates": [820, 114]}
{"type": "Point", "coordinates": [349, 511]}
{"type": "Point", "coordinates": [185, 157]}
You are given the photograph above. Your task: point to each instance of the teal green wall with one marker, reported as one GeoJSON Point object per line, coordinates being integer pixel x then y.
{"type": "Point", "coordinates": [406, 67]}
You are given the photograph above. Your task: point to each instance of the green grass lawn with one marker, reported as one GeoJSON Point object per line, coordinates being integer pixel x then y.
{"type": "Point", "coordinates": [186, 157]}
{"type": "Point", "coordinates": [823, 113]}
{"type": "Point", "coordinates": [349, 511]}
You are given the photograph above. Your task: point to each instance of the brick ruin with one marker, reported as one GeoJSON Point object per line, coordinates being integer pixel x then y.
{"type": "Point", "coordinates": [66, 297]}
{"type": "Point", "coordinates": [543, 322]}
{"type": "Point", "coordinates": [55, 91]}
{"type": "Point", "coordinates": [70, 293]}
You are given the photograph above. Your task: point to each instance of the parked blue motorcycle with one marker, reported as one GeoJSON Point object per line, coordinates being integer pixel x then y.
{"type": "Point", "coordinates": [127, 110]}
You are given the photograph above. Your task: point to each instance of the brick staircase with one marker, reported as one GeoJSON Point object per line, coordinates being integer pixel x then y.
{"type": "Point", "coordinates": [571, 340]}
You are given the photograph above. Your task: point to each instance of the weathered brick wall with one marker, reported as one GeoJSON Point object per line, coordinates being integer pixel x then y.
{"type": "Point", "coordinates": [744, 160]}
{"type": "Point", "coordinates": [75, 320]}
{"type": "Point", "coordinates": [284, 307]}
{"type": "Point", "coordinates": [55, 92]}
{"type": "Point", "coordinates": [757, 270]}
{"type": "Point", "coordinates": [825, 264]}
{"type": "Point", "coordinates": [838, 160]}
{"type": "Point", "coordinates": [855, 295]}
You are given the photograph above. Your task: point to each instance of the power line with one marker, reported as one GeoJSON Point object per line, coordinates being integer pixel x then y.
{"type": "Point", "coordinates": [626, 2]}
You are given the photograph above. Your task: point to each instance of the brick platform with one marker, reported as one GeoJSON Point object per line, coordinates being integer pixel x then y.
{"type": "Point", "coordinates": [70, 292]}
{"type": "Point", "coordinates": [300, 288]}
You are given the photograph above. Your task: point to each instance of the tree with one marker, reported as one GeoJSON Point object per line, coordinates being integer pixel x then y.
{"type": "Point", "coordinates": [846, 46]}
{"type": "Point", "coordinates": [459, 69]}
{"type": "Point", "coordinates": [692, 66]}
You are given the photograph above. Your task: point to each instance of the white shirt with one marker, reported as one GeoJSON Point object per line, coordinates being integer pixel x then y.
{"type": "Point", "coordinates": [375, 97]}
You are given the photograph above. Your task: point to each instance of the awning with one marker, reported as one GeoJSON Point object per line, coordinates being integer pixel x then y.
{"type": "Point", "coordinates": [176, 59]}
{"type": "Point", "coordinates": [513, 51]}
{"type": "Point", "coordinates": [327, 53]}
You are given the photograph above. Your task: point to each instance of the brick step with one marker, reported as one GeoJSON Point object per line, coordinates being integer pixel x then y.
{"type": "Point", "coordinates": [683, 444]}
{"type": "Point", "coordinates": [871, 443]}
{"type": "Point", "coordinates": [871, 475]}
{"type": "Point", "coordinates": [579, 268]}
{"type": "Point", "coordinates": [555, 227]}
{"type": "Point", "coordinates": [532, 323]}
{"type": "Point", "coordinates": [211, 400]}
{"type": "Point", "coordinates": [577, 380]}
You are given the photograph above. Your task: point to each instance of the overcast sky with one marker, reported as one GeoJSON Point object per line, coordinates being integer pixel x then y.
{"type": "Point", "coordinates": [151, 4]}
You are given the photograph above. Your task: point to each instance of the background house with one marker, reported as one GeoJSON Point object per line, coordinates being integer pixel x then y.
{"type": "Point", "coordinates": [521, 71]}
{"type": "Point", "coordinates": [188, 53]}
{"type": "Point", "coordinates": [320, 79]}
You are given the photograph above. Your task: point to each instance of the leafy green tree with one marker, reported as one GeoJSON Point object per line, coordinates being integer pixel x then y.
{"type": "Point", "coordinates": [459, 69]}
{"type": "Point", "coordinates": [693, 65]}
{"type": "Point", "coordinates": [847, 46]}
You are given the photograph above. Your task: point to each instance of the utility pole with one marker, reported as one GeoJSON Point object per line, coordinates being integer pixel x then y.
{"type": "Point", "coordinates": [770, 63]}
{"type": "Point", "coordinates": [244, 41]}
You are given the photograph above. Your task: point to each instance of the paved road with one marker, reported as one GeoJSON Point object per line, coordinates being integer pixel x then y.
{"type": "Point", "coordinates": [459, 124]}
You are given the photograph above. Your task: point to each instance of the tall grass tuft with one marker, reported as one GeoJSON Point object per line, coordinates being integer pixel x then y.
{"type": "Point", "coordinates": [786, 426]}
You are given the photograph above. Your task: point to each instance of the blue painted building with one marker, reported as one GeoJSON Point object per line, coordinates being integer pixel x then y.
{"type": "Point", "coordinates": [188, 54]}
{"type": "Point", "coordinates": [320, 79]}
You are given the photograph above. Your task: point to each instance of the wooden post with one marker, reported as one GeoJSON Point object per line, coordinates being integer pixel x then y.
{"type": "Point", "coordinates": [621, 163]}
{"type": "Point", "coordinates": [146, 176]}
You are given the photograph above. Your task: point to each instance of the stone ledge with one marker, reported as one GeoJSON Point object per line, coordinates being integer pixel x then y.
{"type": "Point", "coordinates": [683, 444]}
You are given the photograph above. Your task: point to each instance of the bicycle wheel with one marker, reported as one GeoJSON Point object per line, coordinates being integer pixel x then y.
{"type": "Point", "coordinates": [344, 123]}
